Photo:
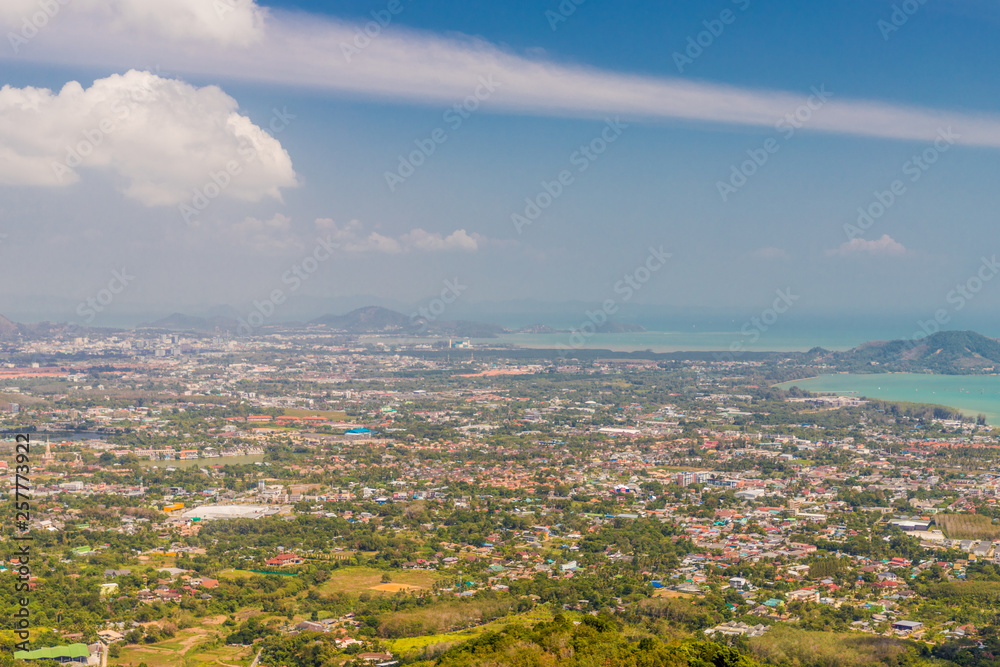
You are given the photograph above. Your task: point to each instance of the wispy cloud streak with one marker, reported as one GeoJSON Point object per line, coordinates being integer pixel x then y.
{"type": "Point", "coordinates": [424, 68]}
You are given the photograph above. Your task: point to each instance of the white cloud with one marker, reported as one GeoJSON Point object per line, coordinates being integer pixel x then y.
{"type": "Point", "coordinates": [858, 246]}
{"type": "Point", "coordinates": [163, 138]}
{"type": "Point", "coordinates": [375, 242]}
{"type": "Point", "coordinates": [352, 238]}
{"type": "Point", "coordinates": [458, 240]}
{"type": "Point", "coordinates": [400, 64]}
{"type": "Point", "coordinates": [226, 22]}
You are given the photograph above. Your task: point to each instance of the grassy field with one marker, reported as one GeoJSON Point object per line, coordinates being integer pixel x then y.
{"type": "Point", "coordinates": [443, 617]}
{"type": "Point", "coordinates": [183, 650]}
{"type": "Point", "coordinates": [158, 560]}
{"type": "Point", "coordinates": [396, 588]}
{"type": "Point", "coordinates": [412, 646]}
{"type": "Point", "coordinates": [967, 526]}
{"type": "Point", "coordinates": [791, 646]}
{"type": "Point", "coordinates": [189, 647]}
{"type": "Point", "coordinates": [360, 579]}
{"type": "Point", "coordinates": [235, 574]}
{"type": "Point", "coordinates": [664, 593]}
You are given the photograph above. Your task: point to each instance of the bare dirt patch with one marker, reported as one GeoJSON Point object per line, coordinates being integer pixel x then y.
{"type": "Point", "coordinates": [395, 588]}
{"type": "Point", "coordinates": [671, 594]}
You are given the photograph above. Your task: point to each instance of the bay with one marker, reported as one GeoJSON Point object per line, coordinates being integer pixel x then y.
{"type": "Point", "coordinates": [970, 394]}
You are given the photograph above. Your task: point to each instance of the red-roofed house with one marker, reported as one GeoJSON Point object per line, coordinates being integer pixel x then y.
{"type": "Point", "coordinates": [285, 560]}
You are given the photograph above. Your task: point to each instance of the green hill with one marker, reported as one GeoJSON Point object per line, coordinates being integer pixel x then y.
{"type": "Point", "coordinates": [949, 352]}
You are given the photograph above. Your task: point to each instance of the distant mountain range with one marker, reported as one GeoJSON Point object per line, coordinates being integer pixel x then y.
{"type": "Point", "coordinates": [947, 352]}
{"type": "Point", "coordinates": [181, 322]}
{"type": "Point", "coordinates": [8, 329]}
{"type": "Point", "coordinates": [382, 320]}
{"type": "Point", "coordinates": [368, 320]}
{"type": "Point", "coordinates": [374, 319]}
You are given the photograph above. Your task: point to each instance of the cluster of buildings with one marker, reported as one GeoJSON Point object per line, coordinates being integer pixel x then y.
{"type": "Point", "coordinates": [182, 431]}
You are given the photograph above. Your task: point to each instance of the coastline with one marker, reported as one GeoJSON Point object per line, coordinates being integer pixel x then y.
{"type": "Point", "coordinates": [672, 342]}
{"type": "Point", "coordinates": [792, 382]}
{"type": "Point", "coordinates": [969, 395]}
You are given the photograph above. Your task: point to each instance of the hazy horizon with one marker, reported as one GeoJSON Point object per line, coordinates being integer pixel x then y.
{"type": "Point", "coordinates": [798, 330]}
{"type": "Point", "coordinates": [526, 154]}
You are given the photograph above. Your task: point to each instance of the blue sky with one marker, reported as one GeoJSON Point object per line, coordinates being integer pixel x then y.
{"type": "Point", "coordinates": [337, 127]}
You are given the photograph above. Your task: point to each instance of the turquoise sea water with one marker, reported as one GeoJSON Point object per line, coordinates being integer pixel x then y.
{"type": "Point", "coordinates": [972, 395]}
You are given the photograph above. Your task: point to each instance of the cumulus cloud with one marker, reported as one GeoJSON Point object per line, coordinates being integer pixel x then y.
{"type": "Point", "coordinates": [400, 64]}
{"type": "Point", "coordinates": [225, 22]}
{"type": "Point", "coordinates": [352, 238]}
{"type": "Point", "coordinates": [163, 138]}
{"type": "Point", "coordinates": [858, 246]}
{"type": "Point", "coordinates": [458, 240]}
